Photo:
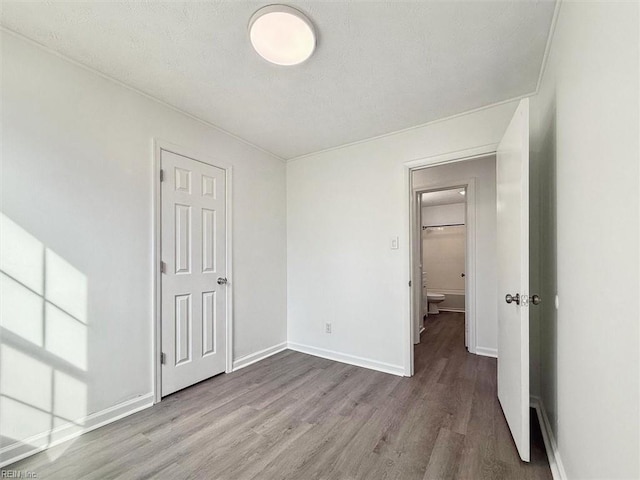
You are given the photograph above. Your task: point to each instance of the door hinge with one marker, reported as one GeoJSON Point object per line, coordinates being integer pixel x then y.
{"type": "Point", "coordinates": [161, 175]}
{"type": "Point", "coordinates": [163, 358]}
{"type": "Point", "coordinates": [409, 282]}
{"type": "Point", "coordinates": [163, 267]}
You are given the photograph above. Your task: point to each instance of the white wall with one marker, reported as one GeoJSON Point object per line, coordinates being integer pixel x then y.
{"type": "Point", "coordinates": [585, 147]}
{"type": "Point", "coordinates": [444, 253]}
{"type": "Point", "coordinates": [443, 260]}
{"type": "Point", "coordinates": [443, 214]}
{"type": "Point", "coordinates": [484, 172]}
{"type": "Point", "coordinates": [77, 180]}
{"type": "Point", "coordinates": [344, 205]}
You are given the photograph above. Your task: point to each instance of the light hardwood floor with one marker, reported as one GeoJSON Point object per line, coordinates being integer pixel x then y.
{"type": "Point", "coordinates": [294, 416]}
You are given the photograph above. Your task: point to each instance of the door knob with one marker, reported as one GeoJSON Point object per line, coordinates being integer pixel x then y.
{"type": "Point", "coordinates": [512, 298]}
{"type": "Point", "coordinates": [462, 275]}
{"type": "Point", "coordinates": [222, 280]}
{"type": "Point", "coordinates": [535, 299]}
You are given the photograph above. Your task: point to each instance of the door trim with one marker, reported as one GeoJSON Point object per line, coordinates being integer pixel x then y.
{"type": "Point", "coordinates": [158, 147]}
{"type": "Point", "coordinates": [470, 255]}
{"type": "Point", "coordinates": [408, 208]}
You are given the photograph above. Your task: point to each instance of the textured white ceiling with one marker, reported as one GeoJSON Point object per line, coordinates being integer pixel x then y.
{"type": "Point", "coordinates": [442, 197]}
{"type": "Point", "coordinates": [380, 66]}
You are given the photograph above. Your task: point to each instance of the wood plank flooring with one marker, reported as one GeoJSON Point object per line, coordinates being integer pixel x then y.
{"type": "Point", "coordinates": [294, 416]}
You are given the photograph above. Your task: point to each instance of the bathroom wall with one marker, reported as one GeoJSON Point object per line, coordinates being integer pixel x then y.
{"type": "Point", "coordinates": [444, 253]}
{"type": "Point", "coordinates": [443, 214]}
{"type": "Point", "coordinates": [443, 260]}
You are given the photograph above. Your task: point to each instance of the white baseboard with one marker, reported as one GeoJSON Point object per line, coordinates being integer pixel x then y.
{"type": "Point", "coordinates": [487, 352]}
{"type": "Point", "coordinates": [257, 356]}
{"type": "Point", "coordinates": [37, 443]}
{"type": "Point", "coordinates": [550, 444]}
{"type": "Point", "coordinates": [350, 359]}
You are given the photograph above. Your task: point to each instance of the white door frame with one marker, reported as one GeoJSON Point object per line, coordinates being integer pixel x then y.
{"type": "Point", "coordinates": [470, 255]}
{"type": "Point", "coordinates": [409, 227]}
{"type": "Point", "coordinates": [158, 147]}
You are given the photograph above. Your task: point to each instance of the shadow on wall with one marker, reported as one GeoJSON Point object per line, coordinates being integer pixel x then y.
{"type": "Point", "coordinates": [545, 158]}
{"type": "Point", "coordinates": [43, 342]}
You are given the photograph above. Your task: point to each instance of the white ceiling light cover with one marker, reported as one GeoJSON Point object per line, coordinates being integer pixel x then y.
{"type": "Point", "coordinates": [282, 35]}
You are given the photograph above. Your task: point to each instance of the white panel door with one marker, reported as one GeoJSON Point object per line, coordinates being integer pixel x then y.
{"type": "Point", "coordinates": [193, 196]}
{"type": "Point", "coordinates": [512, 177]}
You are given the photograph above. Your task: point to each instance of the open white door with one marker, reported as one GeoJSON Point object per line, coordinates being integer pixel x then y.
{"type": "Point", "coordinates": [512, 181]}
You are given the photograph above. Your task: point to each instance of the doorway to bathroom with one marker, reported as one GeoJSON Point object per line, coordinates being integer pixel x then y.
{"type": "Point", "coordinates": [454, 251]}
{"type": "Point", "coordinates": [443, 239]}
{"type": "Point", "coordinates": [441, 252]}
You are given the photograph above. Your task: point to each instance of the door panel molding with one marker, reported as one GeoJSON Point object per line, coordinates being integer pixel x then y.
{"type": "Point", "coordinates": [206, 189]}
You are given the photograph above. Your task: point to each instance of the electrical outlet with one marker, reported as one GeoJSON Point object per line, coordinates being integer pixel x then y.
{"type": "Point", "coordinates": [327, 327]}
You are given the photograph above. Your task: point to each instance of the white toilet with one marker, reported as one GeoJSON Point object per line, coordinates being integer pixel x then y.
{"type": "Point", "coordinates": [433, 300]}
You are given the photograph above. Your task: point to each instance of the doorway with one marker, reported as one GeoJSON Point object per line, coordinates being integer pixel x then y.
{"type": "Point", "coordinates": [443, 245]}
{"type": "Point", "coordinates": [193, 288]}
{"type": "Point", "coordinates": [476, 177]}
{"type": "Point", "coordinates": [445, 217]}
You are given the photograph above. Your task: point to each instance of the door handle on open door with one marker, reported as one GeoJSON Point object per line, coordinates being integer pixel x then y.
{"type": "Point", "coordinates": [512, 298]}
{"type": "Point", "coordinates": [222, 280]}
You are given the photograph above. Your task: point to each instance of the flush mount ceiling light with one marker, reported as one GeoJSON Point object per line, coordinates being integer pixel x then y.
{"type": "Point", "coordinates": [282, 35]}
